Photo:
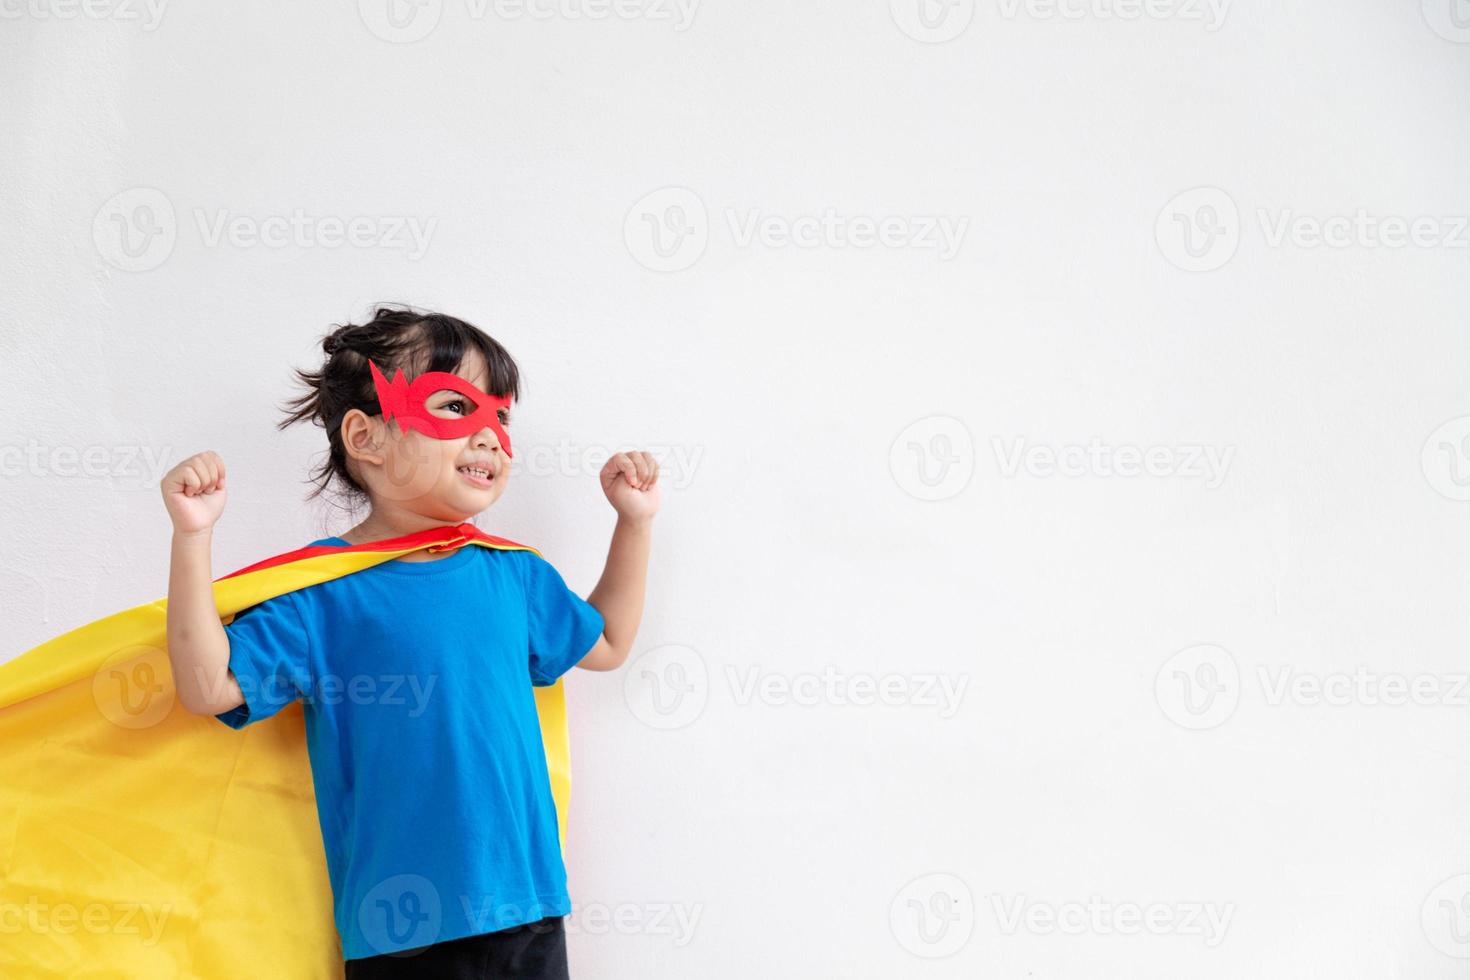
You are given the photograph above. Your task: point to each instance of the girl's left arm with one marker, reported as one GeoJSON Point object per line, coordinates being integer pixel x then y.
{"type": "Point", "coordinates": [630, 481]}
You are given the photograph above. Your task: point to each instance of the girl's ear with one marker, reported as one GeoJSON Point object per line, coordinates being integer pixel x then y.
{"type": "Point", "coordinates": [362, 437]}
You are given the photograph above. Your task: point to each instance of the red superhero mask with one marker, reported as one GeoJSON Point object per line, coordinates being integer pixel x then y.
{"type": "Point", "coordinates": [405, 402]}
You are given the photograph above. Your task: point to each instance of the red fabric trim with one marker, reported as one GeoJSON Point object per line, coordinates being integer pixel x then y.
{"type": "Point", "coordinates": [447, 534]}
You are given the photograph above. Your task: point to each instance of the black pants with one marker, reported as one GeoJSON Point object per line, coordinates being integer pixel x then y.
{"type": "Point", "coordinates": [534, 951]}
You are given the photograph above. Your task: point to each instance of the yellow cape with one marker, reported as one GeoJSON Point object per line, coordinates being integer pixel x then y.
{"type": "Point", "coordinates": [138, 840]}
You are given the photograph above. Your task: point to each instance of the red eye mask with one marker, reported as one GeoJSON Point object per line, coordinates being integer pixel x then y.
{"type": "Point", "coordinates": [405, 402]}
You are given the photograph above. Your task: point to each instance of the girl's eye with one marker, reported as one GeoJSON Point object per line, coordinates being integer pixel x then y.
{"type": "Point", "coordinates": [504, 417]}
{"type": "Point", "coordinates": [459, 402]}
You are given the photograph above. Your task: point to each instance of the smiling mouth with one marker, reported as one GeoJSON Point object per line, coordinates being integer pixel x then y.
{"type": "Point", "coordinates": [477, 474]}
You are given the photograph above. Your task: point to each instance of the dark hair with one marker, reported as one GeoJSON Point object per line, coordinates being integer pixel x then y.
{"type": "Point", "coordinates": [418, 341]}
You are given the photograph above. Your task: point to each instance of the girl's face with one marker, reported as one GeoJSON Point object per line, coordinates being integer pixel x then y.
{"type": "Point", "coordinates": [449, 480]}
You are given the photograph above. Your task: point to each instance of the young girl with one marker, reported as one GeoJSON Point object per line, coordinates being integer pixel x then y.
{"type": "Point", "coordinates": [435, 805]}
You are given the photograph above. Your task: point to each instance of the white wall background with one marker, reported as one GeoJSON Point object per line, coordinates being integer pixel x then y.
{"type": "Point", "coordinates": [808, 400]}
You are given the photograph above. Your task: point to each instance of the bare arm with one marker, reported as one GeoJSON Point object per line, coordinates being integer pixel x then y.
{"type": "Point", "coordinates": [630, 482]}
{"type": "Point", "coordinates": [619, 594]}
{"type": "Point", "coordinates": [198, 649]}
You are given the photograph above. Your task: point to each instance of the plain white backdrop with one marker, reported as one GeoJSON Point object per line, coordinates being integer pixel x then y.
{"type": "Point", "coordinates": [1064, 413]}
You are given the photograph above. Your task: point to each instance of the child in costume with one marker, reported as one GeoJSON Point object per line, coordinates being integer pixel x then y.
{"type": "Point", "coordinates": [416, 675]}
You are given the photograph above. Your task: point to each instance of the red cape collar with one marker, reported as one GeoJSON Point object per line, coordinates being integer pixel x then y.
{"type": "Point", "coordinates": [443, 538]}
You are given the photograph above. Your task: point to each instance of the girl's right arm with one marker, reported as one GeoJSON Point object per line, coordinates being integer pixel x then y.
{"type": "Point", "coordinates": [198, 649]}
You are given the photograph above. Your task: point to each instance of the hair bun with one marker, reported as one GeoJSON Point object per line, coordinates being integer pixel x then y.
{"type": "Point", "coordinates": [330, 345]}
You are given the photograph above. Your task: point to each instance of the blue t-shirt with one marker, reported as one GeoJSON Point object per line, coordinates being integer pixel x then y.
{"type": "Point", "coordinates": [421, 727]}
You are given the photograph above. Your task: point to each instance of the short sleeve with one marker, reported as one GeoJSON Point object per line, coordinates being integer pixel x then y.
{"type": "Point", "coordinates": [270, 650]}
{"type": "Point", "coordinates": [563, 626]}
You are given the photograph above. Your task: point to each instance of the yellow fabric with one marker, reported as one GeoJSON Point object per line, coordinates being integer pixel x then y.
{"type": "Point", "coordinates": [138, 840]}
